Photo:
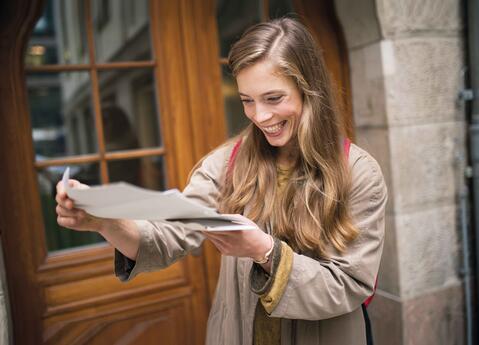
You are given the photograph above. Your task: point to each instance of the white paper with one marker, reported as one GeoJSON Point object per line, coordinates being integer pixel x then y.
{"type": "Point", "coordinates": [124, 201]}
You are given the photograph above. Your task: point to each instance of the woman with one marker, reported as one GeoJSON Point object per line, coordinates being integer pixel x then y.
{"type": "Point", "coordinates": [303, 274]}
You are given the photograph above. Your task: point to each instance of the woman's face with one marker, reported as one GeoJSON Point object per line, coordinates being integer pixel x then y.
{"type": "Point", "coordinates": [272, 101]}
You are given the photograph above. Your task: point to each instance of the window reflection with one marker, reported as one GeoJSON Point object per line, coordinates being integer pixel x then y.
{"type": "Point", "coordinates": [121, 30]}
{"type": "Point", "coordinates": [233, 18]}
{"type": "Point", "coordinates": [57, 237]}
{"type": "Point", "coordinates": [280, 8]}
{"type": "Point", "coordinates": [42, 48]}
{"type": "Point", "coordinates": [235, 118]}
{"type": "Point", "coordinates": [130, 118]}
{"type": "Point", "coordinates": [59, 35]}
{"type": "Point", "coordinates": [61, 114]}
{"type": "Point", "coordinates": [147, 172]}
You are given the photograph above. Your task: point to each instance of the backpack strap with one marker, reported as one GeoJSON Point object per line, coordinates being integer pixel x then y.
{"type": "Point", "coordinates": [346, 146]}
{"type": "Point", "coordinates": [231, 160]}
{"type": "Point", "coordinates": [370, 298]}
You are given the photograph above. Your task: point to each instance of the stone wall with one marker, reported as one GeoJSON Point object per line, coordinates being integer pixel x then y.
{"type": "Point", "coordinates": [406, 60]}
{"type": "Point", "coordinates": [5, 324]}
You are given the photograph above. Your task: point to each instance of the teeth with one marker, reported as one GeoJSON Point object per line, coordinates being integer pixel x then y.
{"type": "Point", "coordinates": [275, 128]}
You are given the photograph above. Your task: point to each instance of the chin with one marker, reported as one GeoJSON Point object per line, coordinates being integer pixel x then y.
{"type": "Point", "coordinates": [277, 143]}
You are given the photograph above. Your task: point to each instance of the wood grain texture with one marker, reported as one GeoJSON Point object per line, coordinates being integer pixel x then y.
{"type": "Point", "coordinates": [95, 92]}
{"type": "Point", "coordinates": [172, 94]}
{"type": "Point", "coordinates": [88, 67]}
{"type": "Point", "coordinates": [208, 121]}
{"type": "Point", "coordinates": [198, 19]}
{"type": "Point", "coordinates": [97, 290]}
{"type": "Point", "coordinates": [121, 317]}
{"type": "Point", "coordinates": [20, 212]}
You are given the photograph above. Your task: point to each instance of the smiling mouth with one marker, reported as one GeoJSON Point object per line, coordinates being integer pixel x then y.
{"type": "Point", "coordinates": [274, 129]}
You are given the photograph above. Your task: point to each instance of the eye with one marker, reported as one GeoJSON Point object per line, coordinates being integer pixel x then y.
{"type": "Point", "coordinates": [246, 101]}
{"type": "Point", "coordinates": [274, 99]}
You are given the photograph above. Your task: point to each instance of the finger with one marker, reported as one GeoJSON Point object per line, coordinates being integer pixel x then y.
{"type": "Point", "coordinates": [60, 189]}
{"type": "Point", "coordinates": [64, 201]}
{"type": "Point", "coordinates": [229, 234]}
{"type": "Point", "coordinates": [65, 212]}
{"type": "Point", "coordinates": [215, 239]}
{"type": "Point", "coordinates": [239, 218]}
{"type": "Point", "coordinates": [73, 183]}
{"type": "Point", "coordinates": [67, 222]}
{"type": "Point", "coordinates": [219, 235]}
{"type": "Point", "coordinates": [77, 184]}
{"type": "Point", "coordinates": [80, 219]}
{"type": "Point", "coordinates": [60, 197]}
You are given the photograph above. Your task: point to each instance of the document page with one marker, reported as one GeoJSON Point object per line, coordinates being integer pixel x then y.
{"type": "Point", "coordinates": [125, 201]}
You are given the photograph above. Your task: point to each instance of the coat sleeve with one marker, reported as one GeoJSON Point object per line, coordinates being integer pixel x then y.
{"type": "Point", "coordinates": [162, 243]}
{"type": "Point", "coordinates": [311, 289]}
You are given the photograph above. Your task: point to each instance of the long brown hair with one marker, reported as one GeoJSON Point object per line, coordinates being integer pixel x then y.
{"type": "Point", "coordinates": [312, 211]}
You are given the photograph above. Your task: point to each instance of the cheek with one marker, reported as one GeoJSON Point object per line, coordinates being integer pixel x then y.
{"type": "Point", "coordinates": [291, 111]}
{"type": "Point", "coordinates": [248, 111]}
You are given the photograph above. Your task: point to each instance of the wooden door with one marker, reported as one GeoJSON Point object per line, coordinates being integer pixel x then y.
{"type": "Point", "coordinates": [61, 284]}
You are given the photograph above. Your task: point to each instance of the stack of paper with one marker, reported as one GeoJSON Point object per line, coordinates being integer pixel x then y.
{"type": "Point", "coordinates": [125, 201]}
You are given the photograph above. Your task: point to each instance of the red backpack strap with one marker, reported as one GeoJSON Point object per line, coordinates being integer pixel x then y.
{"type": "Point", "coordinates": [346, 146]}
{"type": "Point", "coordinates": [370, 298]}
{"type": "Point", "coordinates": [231, 160]}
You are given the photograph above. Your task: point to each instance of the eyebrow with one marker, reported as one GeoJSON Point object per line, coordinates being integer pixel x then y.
{"type": "Point", "coordinates": [264, 94]}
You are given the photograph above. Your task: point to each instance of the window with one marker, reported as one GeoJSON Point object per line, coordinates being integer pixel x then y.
{"type": "Point", "coordinates": [93, 106]}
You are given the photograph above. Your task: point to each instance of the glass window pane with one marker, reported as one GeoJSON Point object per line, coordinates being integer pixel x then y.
{"type": "Point", "coordinates": [280, 8]}
{"type": "Point", "coordinates": [121, 30]}
{"type": "Point", "coordinates": [233, 18]}
{"type": "Point", "coordinates": [61, 114]}
{"type": "Point", "coordinates": [130, 117]}
{"type": "Point", "coordinates": [59, 35]}
{"type": "Point", "coordinates": [147, 172]}
{"type": "Point", "coordinates": [235, 118]}
{"type": "Point", "coordinates": [57, 237]}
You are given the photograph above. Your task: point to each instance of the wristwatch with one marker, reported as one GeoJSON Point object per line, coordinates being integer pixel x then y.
{"type": "Point", "coordinates": [266, 256]}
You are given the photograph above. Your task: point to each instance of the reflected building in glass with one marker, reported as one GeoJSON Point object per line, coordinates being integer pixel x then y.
{"type": "Point", "coordinates": [62, 103]}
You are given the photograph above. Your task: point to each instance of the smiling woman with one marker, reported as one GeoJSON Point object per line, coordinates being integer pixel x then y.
{"type": "Point", "coordinates": [273, 103]}
{"type": "Point", "coordinates": [316, 203]}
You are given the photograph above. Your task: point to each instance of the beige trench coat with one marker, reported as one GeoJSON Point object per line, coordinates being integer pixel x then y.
{"type": "Point", "coordinates": [321, 302]}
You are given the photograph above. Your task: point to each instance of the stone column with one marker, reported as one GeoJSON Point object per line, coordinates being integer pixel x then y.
{"type": "Point", "coordinates": [406, 59]}
{"type": "Point", "coordinates": [5, 322]}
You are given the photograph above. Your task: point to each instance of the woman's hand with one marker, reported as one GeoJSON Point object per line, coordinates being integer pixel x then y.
{"type": "Point", "coordinates": [73, 218]}
{"type": "Point", "coordinates": [121, 233]}
{"type": "Point", "coordinates": [242, 243]}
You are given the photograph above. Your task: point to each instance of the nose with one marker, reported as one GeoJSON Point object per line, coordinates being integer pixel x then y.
{"type": "Point", "coordinates": [262, 113]}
